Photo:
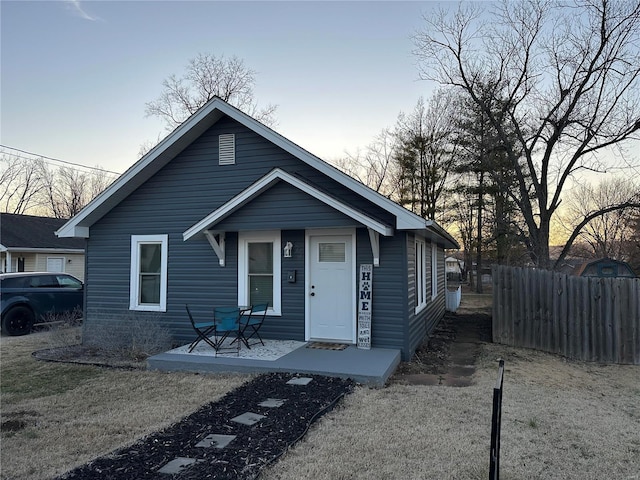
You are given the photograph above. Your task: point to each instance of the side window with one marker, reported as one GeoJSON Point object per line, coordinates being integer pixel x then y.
{"type": "Point", "coordinates": [148, 280]}
{"type": "Point", "coordinates": [13, 282]}
{"type": "Point", "coordinates": [434, 270]}
{"type": "Point", "coordinates": [68, 282]}
{"type": "Point", "coordinates": [43, 281]}
{"type": "Point", "coordinates": [420, 274]}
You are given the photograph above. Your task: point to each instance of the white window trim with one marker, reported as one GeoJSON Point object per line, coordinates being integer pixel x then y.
{"type": "Point", "coordinates": [420, 274]}
{"type": "Point", "coordinates": [434, 271]}
{"type": "Point", "coordinates": [134, 286]}
{"type": "Point", "coordinates": [244, 238]}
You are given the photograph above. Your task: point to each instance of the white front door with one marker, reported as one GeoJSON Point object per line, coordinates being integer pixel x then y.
{"type": "Point", "coordinates": [55, 264]}
{"type": "Point", "coordinates": [330, 288]}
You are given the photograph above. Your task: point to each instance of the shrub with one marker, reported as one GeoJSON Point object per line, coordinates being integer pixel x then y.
{"type": "Point", "coordinates": [132, 336]}
{"type": "Point", "coordinates": [64, 328]}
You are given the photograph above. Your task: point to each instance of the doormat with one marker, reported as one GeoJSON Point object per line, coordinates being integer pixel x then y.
{"type": "Point", "coordinates": [327, 346]}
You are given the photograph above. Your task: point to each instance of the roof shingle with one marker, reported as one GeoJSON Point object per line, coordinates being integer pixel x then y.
{"type": "Point", "coordinates": [28, 231]}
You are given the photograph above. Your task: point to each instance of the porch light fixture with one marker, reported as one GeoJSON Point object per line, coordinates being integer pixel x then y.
{"type": "Point", "coordinates": [287, 250]}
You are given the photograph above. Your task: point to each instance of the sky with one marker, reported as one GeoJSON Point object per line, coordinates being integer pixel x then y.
{"type": "Point", "coordinates": [76, 75]}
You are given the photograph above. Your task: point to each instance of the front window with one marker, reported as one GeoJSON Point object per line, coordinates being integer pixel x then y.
{"type": "Point", "coordinates": [260, 272]}
{"type": "Point", "coordinates": [148, 285]}
{"type": "Point", "coordinates": [259, 269]}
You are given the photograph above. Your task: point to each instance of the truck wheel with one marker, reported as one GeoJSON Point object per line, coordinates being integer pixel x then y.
{"type": "Point", "coordinates": [17, 321]}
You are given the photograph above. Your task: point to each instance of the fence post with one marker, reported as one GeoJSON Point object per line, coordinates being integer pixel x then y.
{"type": "Point", "coordinates": [496, 420]}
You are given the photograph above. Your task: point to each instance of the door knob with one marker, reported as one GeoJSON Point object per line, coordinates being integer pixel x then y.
{"type": "Point", "coordinates": [313, 294]}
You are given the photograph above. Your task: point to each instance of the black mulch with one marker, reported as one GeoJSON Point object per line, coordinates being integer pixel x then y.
{"type": "Point", "coordinates": [254, 447]}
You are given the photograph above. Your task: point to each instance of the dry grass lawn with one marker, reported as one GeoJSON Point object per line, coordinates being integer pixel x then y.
{"type": "Point", "coordinates": [56, 416]}
{"type": "Point", "coordinates": [561, 419]}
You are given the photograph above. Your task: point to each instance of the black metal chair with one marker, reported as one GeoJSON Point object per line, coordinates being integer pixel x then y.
{"type": "Point", "coordinates": [251, 322]}
{"type": "Point", "coordinates": [203, 331]}
{"type": "Point", "coordinates": [226, 324]}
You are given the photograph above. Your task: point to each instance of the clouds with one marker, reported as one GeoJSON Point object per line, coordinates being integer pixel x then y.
{"type": "Point", "coordinates": [76, 7]}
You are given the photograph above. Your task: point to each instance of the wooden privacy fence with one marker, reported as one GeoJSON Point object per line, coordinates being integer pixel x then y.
{"type": "Point", "coordinates": [586, 318]}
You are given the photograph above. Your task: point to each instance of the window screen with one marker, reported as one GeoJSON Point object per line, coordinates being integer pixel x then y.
{"type": "Point", "coordinates": [150, 263]}
{"type": "Point", "coordinates": [260, 272]}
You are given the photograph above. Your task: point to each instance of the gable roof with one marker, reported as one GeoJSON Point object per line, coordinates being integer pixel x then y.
{"type": "Point", "coordinates": [267, 182]}
{"type": "Point", "coordinates": [195, 126]}
{"type": "Point", "coordinates": [29, 232]}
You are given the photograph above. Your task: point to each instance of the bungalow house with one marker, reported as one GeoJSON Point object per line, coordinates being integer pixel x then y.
{"type": "Point", "coordinates": [225, 211]}
{"type": "Point", "coordinates": [29, 244]}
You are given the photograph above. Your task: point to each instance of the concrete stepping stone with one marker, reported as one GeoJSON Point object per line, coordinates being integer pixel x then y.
{"type": "Point", "coordinates": [446, 380]}
{"type": "Point", "coordinates": [216, 441]}
{"type": "Point", "coordinates": [272, 403]}
{"type": "Point", "coordinates": [248, 418]}
{"type": "Point", "coordinates": [177, 465]}
{"type": "Point", "coordinates": [299, 381]}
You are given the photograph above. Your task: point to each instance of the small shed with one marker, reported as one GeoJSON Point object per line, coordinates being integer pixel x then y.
{"type": "Point", "coordinates": [606, 268]}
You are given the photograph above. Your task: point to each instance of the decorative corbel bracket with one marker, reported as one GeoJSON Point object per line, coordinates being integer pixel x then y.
{"type": "Point", "coordinates": [217, 245]}
{"type": "Point", "coordinates": [374, 238]}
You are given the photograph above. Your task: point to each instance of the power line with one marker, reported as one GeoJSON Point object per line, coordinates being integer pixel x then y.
{"type": "Point", "coordinates": [56, 160]}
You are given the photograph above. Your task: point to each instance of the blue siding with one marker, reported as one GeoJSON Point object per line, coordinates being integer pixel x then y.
{"type": "Point", "coordinates": [192, 186]}
{"type": "Point", "coordinates": [284, 206]}
{"type": "Point", "coordinates": [389, 288]}
{"type": "Point", "coordinates": [423, 323]}
{"type": "Point", "coordinates": [187, 189]}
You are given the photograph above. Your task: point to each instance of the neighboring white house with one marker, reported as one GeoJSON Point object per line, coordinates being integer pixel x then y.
{"type": "Point", "coordinates": [29, 244]}
{"type": "Point", "coordinates": [453, 268]}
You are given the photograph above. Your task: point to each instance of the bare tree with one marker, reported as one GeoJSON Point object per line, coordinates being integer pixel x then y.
{"type": "Point", "coordinates": [68, 190]}
{"type": "Point", "coordinates": [426, 153]}
{"type": "Point", "coordinates": [207, 76]}
{"type": "Point", "coordinates": [568, 74]}
{"type": "Point", "coordinates": [20, 184]}
{"type": "Point", "coordinates": [632, 252]}
{"type": "Point", "coordinates": [375, 165]}
{"type": "Point", "coordinates": [607, 235]}
{"type": "Point", "coordinates": [32, 186]}
{"type": "Point", "coordinates": [464, 218]}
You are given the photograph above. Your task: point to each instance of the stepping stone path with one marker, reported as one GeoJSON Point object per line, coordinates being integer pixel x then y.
{"type": "Point", "coordinates": [233, 438]}
{"type": "Point", "coordinates": [460, 337]}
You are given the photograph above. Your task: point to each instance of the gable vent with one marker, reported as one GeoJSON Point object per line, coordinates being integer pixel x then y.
{"type": "Point", "coordinates": [227, 149]}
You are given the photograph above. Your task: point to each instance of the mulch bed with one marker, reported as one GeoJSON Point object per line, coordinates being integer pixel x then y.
{"type": "Point", "coordinates": [254, 447]}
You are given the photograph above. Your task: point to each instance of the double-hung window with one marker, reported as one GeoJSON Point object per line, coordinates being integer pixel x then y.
{"type": "Point", "coordinates": [148, 282]}
{"type": "Point", "coordinates": [420, 274]}
{"type": "Point", "coordinates": [434, 271]}
{"type": "Point", "coordinates": [259, 269]}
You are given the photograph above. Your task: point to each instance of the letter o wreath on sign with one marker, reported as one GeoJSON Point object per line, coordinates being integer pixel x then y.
{"type": "Point", "coordinates": [364, 306]}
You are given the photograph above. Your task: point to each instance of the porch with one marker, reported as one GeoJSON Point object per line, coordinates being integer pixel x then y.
{"type": "Point", "coordinates": [370, 367]}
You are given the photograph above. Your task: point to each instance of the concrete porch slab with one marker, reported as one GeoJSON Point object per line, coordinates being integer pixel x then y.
{"type": "Point", "coordinates": [370, 367]}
